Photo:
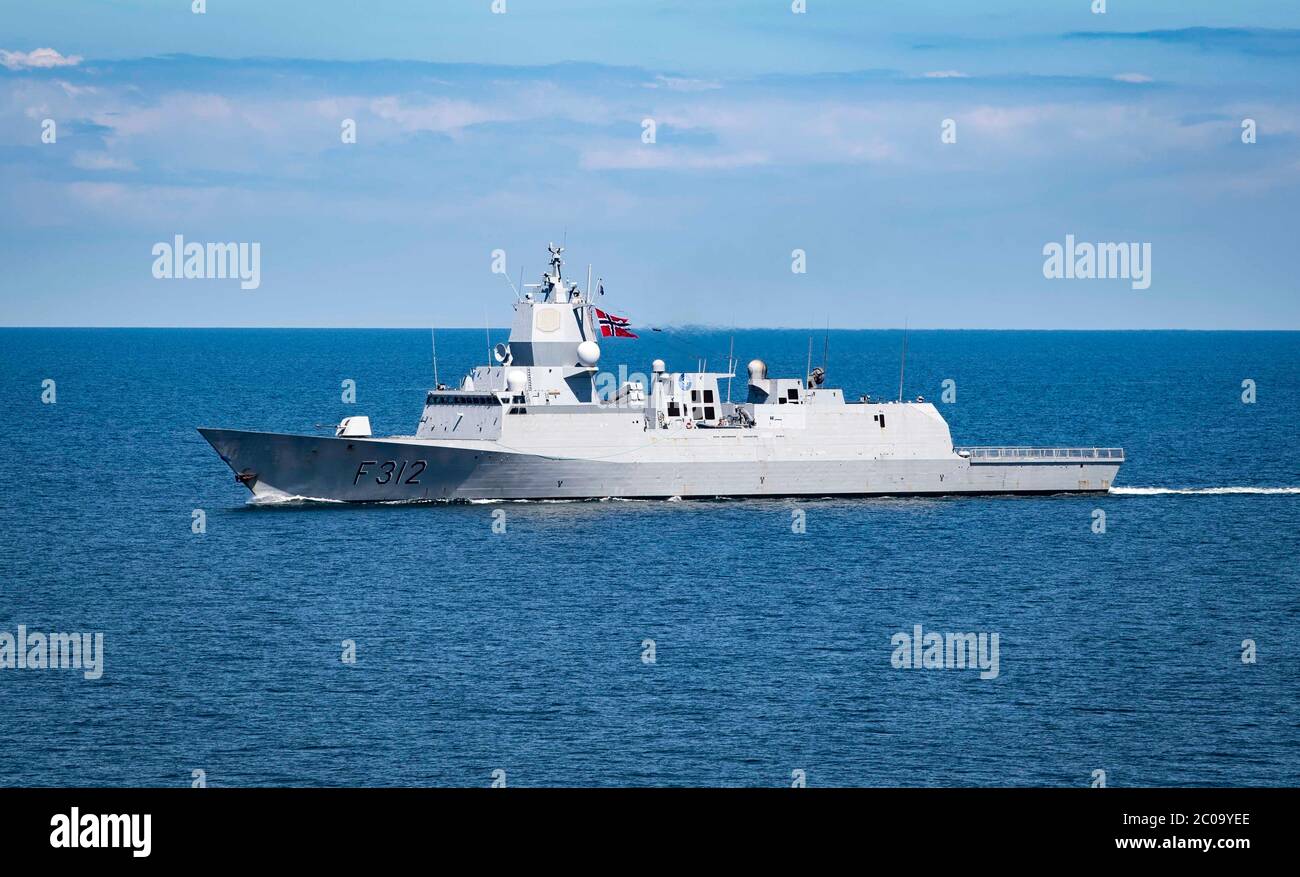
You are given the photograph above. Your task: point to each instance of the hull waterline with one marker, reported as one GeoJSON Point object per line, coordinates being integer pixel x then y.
{"type": "Point", "coordinates": [279, 465]}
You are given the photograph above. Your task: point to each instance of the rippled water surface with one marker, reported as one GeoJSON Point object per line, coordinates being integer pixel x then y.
{"type": "Point", "coordinates": [523, 651]}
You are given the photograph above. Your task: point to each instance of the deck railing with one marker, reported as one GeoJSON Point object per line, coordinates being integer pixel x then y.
{"type": "Point", "coordinates": [1116, 454]}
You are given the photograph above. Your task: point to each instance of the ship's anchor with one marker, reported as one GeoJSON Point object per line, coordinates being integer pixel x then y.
{"type": "Point", "coordinates": [246, 478]}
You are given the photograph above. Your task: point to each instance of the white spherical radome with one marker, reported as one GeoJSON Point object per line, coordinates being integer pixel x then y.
{"type": "Point", "coordinates": [516, 380]}
{"type": "Point", "coordinates": [589, 353]}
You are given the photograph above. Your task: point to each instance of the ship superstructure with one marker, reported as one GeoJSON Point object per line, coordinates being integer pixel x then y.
{"type": "Point", "coordinates": [534, 427]}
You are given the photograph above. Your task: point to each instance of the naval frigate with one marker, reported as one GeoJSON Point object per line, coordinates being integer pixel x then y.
{"type": "Point", "coordinates": [534, 426]}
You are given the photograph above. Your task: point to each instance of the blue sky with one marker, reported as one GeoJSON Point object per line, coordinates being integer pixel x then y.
{"type": "Point", "coordinates": [775, 131]}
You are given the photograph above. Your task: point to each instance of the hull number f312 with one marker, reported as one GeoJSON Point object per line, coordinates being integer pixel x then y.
{"type": "Point", "coordinates": [390, 471]}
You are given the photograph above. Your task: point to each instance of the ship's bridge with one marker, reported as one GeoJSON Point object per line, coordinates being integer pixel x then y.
{"type": "Point", "coordinates": [552, 324]}
{"type": "Point", "coordinates": [550, 360]}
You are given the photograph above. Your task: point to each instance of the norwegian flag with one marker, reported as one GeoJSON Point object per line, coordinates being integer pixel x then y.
{"type": "Point", "coordinates": [611, 325]}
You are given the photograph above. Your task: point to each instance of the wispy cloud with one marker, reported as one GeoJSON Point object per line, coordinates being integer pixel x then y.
{"type": "Point", "coordinates": [436, 114]}
{"type": "Point", "coordinates": [682, 83]}
{"type": "Point", "coordinates": [101, 161]}
{"type": "Point", "coordinates": [37, 59]}
{"type": "Point", "coordinates": [1254, 41]}
{"type": "Point", "coordinates": [168, 125]}
{"type": "Point", "coordinates": [669, 158]}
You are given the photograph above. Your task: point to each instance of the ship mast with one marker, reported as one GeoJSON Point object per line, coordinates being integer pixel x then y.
{"type": "Point", "coordinates": [556, 289]}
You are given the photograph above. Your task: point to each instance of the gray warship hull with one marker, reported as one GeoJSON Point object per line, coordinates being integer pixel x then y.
{"type": "Point", "coordinates": [547, 423]}
{"type": "Point", "coordinates": [409, 469]}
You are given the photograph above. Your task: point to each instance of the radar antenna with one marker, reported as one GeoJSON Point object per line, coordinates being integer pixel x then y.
{"type": "Point", "coordinates": [731, 366]}
{"type": "Point", "coordinates": [902, 361]}
{"type": "Point", "coordinates": [434, 334]}
{"type": "Point", "coordinates": [554, 287]}
{"type": "Point", "coordinates": [826, 347]}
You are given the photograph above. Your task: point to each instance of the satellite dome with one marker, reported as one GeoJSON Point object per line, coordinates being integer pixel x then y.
{"type": "Point", "coordinates": [589, 353]}
{"type": "Point", "coordinates": [657, 366]}
{"type": "Point", "coordinates": [757, 370]}
{"type": "Point", "coordinates": [516, 380]}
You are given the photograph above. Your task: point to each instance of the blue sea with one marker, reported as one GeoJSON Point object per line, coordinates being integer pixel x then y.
{"type": "Point", "coordinates": [525, 652]}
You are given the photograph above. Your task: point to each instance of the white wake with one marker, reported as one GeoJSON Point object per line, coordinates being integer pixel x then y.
{"type": "Point", "coordinates": [275, 499]}
{"type": "Point", "coordinates": [1196, 491]}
